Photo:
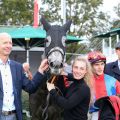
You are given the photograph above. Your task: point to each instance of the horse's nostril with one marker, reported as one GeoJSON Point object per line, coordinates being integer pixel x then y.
{"type": "Point", "coordinates": [61, 65]}
{"type": "Point", "coordinates": [51, 64]}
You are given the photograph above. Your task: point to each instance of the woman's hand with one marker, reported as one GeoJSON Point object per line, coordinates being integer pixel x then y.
{"type": "Point", "coordinates": [50, 86]}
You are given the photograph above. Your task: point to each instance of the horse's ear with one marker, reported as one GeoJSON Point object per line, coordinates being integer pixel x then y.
{"type": "Point", "coordinates": [46, 25]}
{"type": "Point", "coordinates": [67, 25]}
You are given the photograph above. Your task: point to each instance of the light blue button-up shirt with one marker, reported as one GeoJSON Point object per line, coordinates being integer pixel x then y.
{"type": "Point", "coordinates": [8, 96]}
{"type": "Point", "coordinates": [119, 64]}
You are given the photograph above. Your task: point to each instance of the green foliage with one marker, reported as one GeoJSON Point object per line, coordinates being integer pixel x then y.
{"type": "Point", "coordinates": [116, 23]}
{"type": "Point", "coordinates": [76, 49]}
{"type": "Point", "coordinates": [87, 19]}
{"type": "Point", "coordinates": [117, 10]}
{"type": "Point", "coordinates": [16, 12]}
{"type": "Point", "coordinates": [25, 103]}
{"type": "Point", "coordinates": [52, 14]}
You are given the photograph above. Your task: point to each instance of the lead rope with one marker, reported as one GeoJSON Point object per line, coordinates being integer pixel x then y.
{"type": "Point", "coordinates": [45, 110]}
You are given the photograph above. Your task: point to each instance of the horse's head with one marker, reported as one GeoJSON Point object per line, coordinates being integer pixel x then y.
{"type": "Point", "coordinates": [55, 45]}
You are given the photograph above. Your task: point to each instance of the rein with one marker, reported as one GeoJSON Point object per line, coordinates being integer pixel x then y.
{"type": "Point", "coordinates": [45, 111]}
{"type": "Point", "coordinates": [53, 79]}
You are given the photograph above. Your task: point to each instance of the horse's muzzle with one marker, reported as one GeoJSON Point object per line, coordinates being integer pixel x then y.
{"type": "Point", "coordinates": [55, 60]}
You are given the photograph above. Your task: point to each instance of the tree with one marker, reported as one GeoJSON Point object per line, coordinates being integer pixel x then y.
{"type": "Point", "coordinates": [116, 22]}
{"type": "Point", "coordinates": [52, 14]}
{"type": "Point", "coordinates": [16, 12]}
{"type": "Point", "coordinates": [76, 49]}
{"type": "Point", "coordinates": [117, 10]}
{"type": "Point", "coordinates": [87, 18]}
{"type": "Point", "coordinates": [84, 14]}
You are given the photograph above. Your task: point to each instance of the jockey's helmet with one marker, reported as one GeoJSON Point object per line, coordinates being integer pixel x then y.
{"type": "Point", "coordinates": [96, 56]}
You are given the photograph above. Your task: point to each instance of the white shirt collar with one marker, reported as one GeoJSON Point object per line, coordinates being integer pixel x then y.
{"type": "Point", "coordinates": [8, 61]}
{"type": "Point", "coordinates": [119, 64]}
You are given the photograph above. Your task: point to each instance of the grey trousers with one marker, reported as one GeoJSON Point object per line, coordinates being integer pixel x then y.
{"type": "Point", "coordinates": [8, 117]}
{"type": "Point", "coordinates": [93, 116]}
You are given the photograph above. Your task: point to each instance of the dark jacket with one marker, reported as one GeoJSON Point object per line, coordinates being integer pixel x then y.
{"type": "Point", "coordinates": [113, 70]}
{"type": "Point", "coordinates": [20, 82]}
{"type": "Point", "coordinates": [75, 101]}
{"type": "Point", "coordinates": [109, 108]}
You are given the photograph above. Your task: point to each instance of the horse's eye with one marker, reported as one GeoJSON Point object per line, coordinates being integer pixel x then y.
{"type": "Point", "coordinates": [48, 41]}
{"type": "Point", "coordinates": [63, 40]}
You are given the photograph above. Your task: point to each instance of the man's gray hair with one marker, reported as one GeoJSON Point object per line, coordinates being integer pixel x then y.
{"type": "Point", "coordinates": [6, 34]}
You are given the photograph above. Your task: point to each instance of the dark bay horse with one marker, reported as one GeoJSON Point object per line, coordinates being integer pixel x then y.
{"type": "Point", "coordinates": [55, 53]}
{"type": "Point", "coordinates": [55, 45]}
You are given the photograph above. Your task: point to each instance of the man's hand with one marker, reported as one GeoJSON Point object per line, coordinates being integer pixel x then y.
{"type": "Point", "coordinates": [43, 66]}
{"type": "Point", "coordinates": [27, 71]}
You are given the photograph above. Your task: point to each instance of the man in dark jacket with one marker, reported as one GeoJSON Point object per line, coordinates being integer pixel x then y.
{"type": "Point", "coordinates": [13, 80]}
{"type": "Point", "coordinates": [113, 68]}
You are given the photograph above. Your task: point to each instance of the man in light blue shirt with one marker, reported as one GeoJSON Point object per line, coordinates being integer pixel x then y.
{"type": "Point", "coordinates": [13, 80]}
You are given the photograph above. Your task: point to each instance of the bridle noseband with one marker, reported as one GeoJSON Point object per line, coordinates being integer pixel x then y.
{"type": "Point", "coordinates": [56, 58]}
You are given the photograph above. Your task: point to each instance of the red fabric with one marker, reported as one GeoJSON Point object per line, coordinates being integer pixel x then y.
{"type": "Point", "coordinates": [95, 56]}
{"type": "Point", "coordinates": [66, 82]}
{"type": "Point", "coordinates": [100, 88]}
{"type": "Point", "coordinates": [36, 13]}
{"type": "Point", "coordinates": [115, 102]}
{"type": "Point", "coordinates": [117, 87]}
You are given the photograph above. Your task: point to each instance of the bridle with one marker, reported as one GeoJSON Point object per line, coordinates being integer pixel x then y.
{"type": "Point", "coordinates": [56, 58]}
{"type": "Point", "coordinates": [54, 53]}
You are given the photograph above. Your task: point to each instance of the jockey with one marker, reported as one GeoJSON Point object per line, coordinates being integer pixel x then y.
{"type": "Point", "coordinates": [104, 85]}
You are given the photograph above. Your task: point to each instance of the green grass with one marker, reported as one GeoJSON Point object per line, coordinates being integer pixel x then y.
{"type": "Point", "coordinates": [25, 103]}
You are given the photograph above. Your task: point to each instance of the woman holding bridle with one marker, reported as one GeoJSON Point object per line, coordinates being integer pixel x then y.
{"type": "Point", "coordinates": [76, 96]}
